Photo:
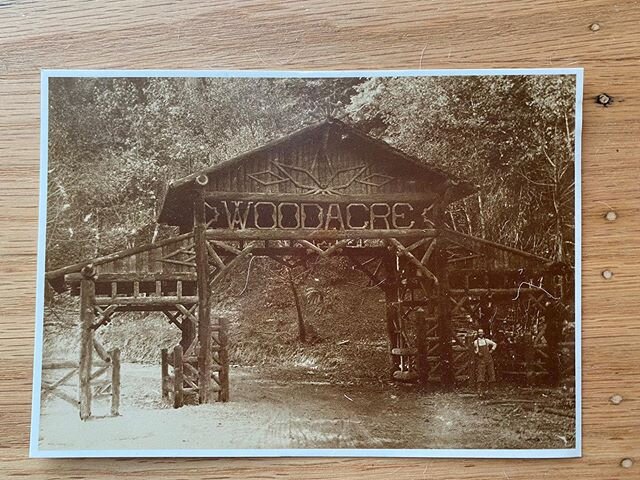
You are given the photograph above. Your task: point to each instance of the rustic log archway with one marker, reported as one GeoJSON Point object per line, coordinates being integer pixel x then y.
{"type": "Point", "coordinates": [325, 190]}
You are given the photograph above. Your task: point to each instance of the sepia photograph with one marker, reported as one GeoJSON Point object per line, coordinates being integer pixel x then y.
{"type": "Point", "coordinates": [309, 263]}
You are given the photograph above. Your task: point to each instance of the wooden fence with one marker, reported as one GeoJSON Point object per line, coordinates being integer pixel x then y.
{"type": "Point", "coordinates": [105, 379]}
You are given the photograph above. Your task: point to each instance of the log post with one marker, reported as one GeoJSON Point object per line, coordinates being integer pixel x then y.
{"type": "Point", "coordinates": [164, 360]}
{"type": "Point", "coordinates": [442, 302]}
{"type": "Point", "coordinates": [115, 381]}
{"type": "Point", "coordinates": [188, 333]}
{"type": "Point", "coordinates": [422, 363]}
{"type": "Point", "coordinates": [445, 333]}
{"type": "Point", "coordinates": [554, 318]}
{"type": "Point", "coordinates": [164, 369]}
{"type": "Point", "coordinates": [87, 317]}
{"type": "Point", "coordinates": [204, 310]}
{"type": "Point", "coordinates": [178, 378]}
{"type": "Point", "coordinates": [223, 338]}
{"type": "Point", "coordinates": [442, 311]}
{"type": "Point", "coordinates": [391, 311]}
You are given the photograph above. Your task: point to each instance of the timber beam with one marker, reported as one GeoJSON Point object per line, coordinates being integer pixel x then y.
{"type": "Point", "coordinates": [301, 251]}
{"type": "Point", "coordinates": [135, 277]}
{"type": "Point", "coordinates": [311, 235]}
{"type": "Point", "coordinates": [149, 302]}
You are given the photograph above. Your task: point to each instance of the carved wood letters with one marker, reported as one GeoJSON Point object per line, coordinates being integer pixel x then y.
{"type": "Point", "coordinates": [269, 214]}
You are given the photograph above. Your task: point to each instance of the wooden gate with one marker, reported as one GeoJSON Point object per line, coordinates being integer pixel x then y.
{"type": "Point", "coordinates": [105, 376]}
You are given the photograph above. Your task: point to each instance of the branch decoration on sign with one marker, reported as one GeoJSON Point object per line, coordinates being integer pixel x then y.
{"type": "Point", "coordinates": [306, 180]}
{"type": "Point", "coordinates": [426, 216]}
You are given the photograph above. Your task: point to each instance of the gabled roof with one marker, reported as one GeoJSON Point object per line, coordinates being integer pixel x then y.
{"type": "Point", "coordinates": [178, 191]}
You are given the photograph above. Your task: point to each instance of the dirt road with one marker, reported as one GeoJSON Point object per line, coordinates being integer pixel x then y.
{"type": "Point", "coordinates": [309, 412]}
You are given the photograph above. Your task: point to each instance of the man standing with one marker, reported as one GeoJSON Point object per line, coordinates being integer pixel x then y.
{"type": "Point", "coordinates": [483, 348]}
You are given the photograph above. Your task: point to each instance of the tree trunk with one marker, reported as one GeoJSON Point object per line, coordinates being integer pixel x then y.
{"type": "Point", "coordinates": [483, 233]}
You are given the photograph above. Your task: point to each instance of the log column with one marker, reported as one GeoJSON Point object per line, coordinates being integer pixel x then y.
{"type": "Point", "coordinates": [115, 381]}
{"type": "Point", "coordinates": [164, 358]}
{"type": "Point", "coordinates": [391, 312]}
{"type": "Point", "coordinates": [178, 377]}
{"type": "Point", "coordinates": [443, 318]}
{"type": "Point", "coordinates": [442, 301]}
{"type": "Point", "coordinates": [188, 333]}
{"type": "Point", "coordinates": [87, 317]}
{"type": "Point", "coordinates": [223, 339]}
{"type": "Point", "coordinates": [202, 268]}
{"type": "Point", "coordinates": [422, 362]}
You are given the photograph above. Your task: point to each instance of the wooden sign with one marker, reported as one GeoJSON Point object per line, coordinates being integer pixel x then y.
{"type": "Point", "coordinates": [318, 214]}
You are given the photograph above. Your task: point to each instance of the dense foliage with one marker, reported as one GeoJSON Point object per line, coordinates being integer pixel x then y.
{"type": "Point", "coordinates": [511, 136]}
{"type": "Point", "coordinates": [114, 144]}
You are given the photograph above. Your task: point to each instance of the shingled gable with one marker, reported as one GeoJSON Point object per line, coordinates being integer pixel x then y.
{"type": "Point", "coordinates": [325, 152]}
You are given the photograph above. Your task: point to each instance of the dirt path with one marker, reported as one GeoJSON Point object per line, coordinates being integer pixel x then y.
{"type": "Point", "coordinates": [306, 413]}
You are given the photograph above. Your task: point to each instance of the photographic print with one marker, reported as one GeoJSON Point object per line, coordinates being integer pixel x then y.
{"type": "Point", "coordinates": [309, 263]}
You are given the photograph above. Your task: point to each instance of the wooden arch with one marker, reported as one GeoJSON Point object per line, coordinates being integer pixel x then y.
{"type": "Point", "coordinates": [325, 190]}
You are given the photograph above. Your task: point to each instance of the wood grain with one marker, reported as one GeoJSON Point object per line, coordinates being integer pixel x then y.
{"type": "Point", "coordinates": [343, 35]}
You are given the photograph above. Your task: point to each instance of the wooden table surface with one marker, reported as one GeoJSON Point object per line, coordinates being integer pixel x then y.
{"type": "Point", "coordinates": [343, 34]}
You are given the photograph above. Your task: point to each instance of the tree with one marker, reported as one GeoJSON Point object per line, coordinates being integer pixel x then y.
{"type": "Point", "coordinates": [115, 143]}
{"type": "Point", "coordinates": [511, 135]}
